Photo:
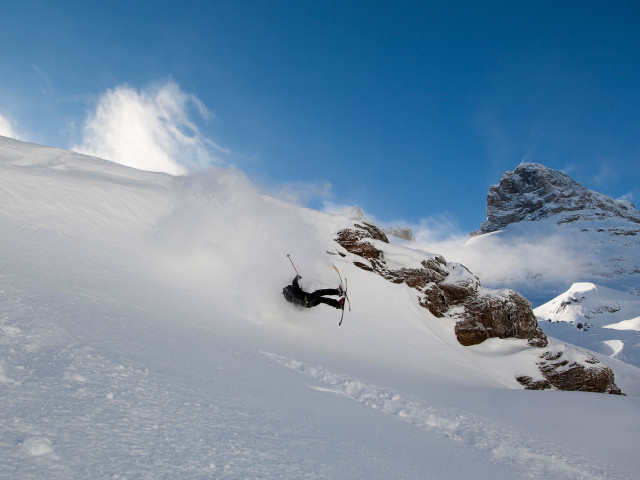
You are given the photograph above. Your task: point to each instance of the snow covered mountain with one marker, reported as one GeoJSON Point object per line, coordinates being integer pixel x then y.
{"type": "Point", "coordinates": [533, 192]}
{"type": "Point", "coordinates": [545, 231]}
{"type": "Point", "coordinates": [143, 334]}
{"type": "Point", "coordinates": [597, 318]}
{"type": "Point", "coordinates": [548, 236]}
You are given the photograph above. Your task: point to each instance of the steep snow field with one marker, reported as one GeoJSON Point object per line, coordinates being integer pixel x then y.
{"type": "Point", "coordinates": [143, 335]}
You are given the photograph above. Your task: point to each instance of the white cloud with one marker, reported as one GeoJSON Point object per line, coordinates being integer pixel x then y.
{"type": "Point", "coordinates": [628, 197]}
{"type": "Point", "coordinates": [149, 129]}
{"type": "Point", "coordinates": [7, 129]}
{"type": "Point", "coordinates": [440, 229]}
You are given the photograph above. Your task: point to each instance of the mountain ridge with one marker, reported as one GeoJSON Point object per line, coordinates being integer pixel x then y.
{"type": "Point", "coordinates": [533, 192]}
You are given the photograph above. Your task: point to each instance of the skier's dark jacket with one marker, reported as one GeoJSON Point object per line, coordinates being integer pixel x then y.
{"type": "Point", "coordinates": [294, 294]}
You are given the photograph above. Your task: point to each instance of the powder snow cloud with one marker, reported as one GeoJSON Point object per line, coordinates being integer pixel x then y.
{"type": "Point", "coordinates": [7, 129]}
{"type": "Point", "coordinates": [151, 129]}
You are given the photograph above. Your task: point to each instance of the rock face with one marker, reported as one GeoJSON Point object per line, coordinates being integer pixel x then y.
{"type": "Point", "coordinates": [450, 289]}
{"type": "Point", "coordinates": [503, 316]}
{"type": "Point", "coordinates": [533, 192]}
{"type": "Point", "coordinates": [574, 370]}
{"type": "Point", "coordinates": [443, 285]}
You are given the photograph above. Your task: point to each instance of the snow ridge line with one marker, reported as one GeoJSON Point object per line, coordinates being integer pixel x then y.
{"type": "Point", "coordinates": [537, 458]}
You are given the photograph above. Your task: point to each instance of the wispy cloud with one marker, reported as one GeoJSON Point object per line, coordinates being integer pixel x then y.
{"type": "Point", "coordinates": [439, 229]}
{"type": "Point", "coordinates": [629, 197]}
{"type": "Point", "coordinates": [302, 193]}
{"type": "Point", "coordinates": [150, 129]}
{"type": "Point", "coordinates": [7, 129]}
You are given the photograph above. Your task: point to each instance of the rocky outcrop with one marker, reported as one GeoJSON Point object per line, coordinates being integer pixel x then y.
{"type": "Point", "coordinates": [533, 192]}
{"type": "Point", "coordinates": [573, 370]}
{"type": "Point", "coordinates": [450, 289]}
{"type": "Point", "coordinates": [441, 284]}
{"type": "Point", "coordinates": [503, 316]}
{"type": "Point", "coordinates": [356, 214]}
{"type": "Point", "coordinates": [356, 241]}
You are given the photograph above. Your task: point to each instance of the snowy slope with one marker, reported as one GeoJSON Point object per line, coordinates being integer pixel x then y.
{"type": "Point", "coordinates": [601, 319]}
{"type": "Point", "coordinates": [143, 335]}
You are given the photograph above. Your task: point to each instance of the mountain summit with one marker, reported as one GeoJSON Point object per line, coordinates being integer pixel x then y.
{"type": "Point", "coordinates": [533, 192]}
{"type": "Point", "coordinates": [546, 233]}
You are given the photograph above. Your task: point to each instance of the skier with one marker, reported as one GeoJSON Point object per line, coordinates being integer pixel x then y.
{"type": "Point", "coordinates": [294, 294]}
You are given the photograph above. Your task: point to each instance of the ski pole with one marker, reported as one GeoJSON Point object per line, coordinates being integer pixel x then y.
{"type": "Point", "coordinates": [294, 267]}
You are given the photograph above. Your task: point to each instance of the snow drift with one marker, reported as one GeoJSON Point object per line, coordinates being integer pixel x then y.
{"type": "Point", "coordinates": [143, 334]}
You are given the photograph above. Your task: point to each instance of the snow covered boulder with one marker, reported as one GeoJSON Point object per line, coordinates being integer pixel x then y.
{"type": "Point", "coordinates": [572, 369]}
{"type": "Point", "coordinates": [502, 314]}
{"type": "Point", "coordinates": [357, 241]}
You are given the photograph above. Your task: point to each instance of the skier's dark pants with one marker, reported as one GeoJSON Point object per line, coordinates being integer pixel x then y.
{"type": "Point", "coordinates": [294, 294]}
{"type": "Point", "coordinates": [317, 297]}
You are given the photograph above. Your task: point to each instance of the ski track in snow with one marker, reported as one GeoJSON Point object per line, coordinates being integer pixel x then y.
{"type": "Point", "coordinates": [536, 458]}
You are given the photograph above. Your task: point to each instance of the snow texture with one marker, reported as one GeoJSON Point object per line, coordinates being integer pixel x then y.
{"type": "Point", "coordinates": [135, 313]}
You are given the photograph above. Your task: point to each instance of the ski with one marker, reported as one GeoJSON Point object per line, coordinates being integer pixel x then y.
{"type": "Point", "coordinates": [346, 297]}
{"type": "Point", "coordinates": [341, 282]}
{"type": "Point", "coordinates": [346, 286]}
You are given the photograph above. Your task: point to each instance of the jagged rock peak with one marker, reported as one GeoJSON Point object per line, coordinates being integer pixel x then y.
{"type": "Point", "coordinates": [533, 192]}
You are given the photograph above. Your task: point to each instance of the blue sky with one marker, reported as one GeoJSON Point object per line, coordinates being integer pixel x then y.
{"type": "Point", "coordinates": [411, 110]}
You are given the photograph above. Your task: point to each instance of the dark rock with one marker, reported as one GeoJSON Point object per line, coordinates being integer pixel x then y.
{"type": "Point", "coordinates": [374, 232]}
{"type": "Point", "coordinates": [460, 291]}
{"type": "Point", "coordinates": [434, 299]}
{"type": "Point", "coordinates": [363, 266]}
{"type": "Point", "coordinates": [580, 372]}
{"type": "Point", "coordinates": [417, 278]}
{"type": "Point", "coordinates": [529, 384]}
{"type": "Point", "coordinates": [533, 191]}
{"type": "Point", "coordinates": [503, 316]}
{"type": "Point", "coordinates": [355, 241]}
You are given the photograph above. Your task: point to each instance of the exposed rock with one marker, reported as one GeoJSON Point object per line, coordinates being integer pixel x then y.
{"type": "Point", "coordinates": [417, 278]}
{"type": "Point", "coordinates": [356, 242]}
{"type": "Point", "coordinates": [374, 232]}
{"type": "Point", "coordinates": [533, 191]}
{"type": "Point", "coordinates": [503, 316]}
{"type": "Point", "coordinates": [442, 285]}
{"type": "Point", "coordinates": [530, 384]}
{"type": "Point", "coordinates": [460, 286]}
{"type": "Point", "coordinates": [434, 299]}
{"type": "Point", "coordinates": [572, 370]}
{"type": "Point", "coordinates": [356, 214]}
